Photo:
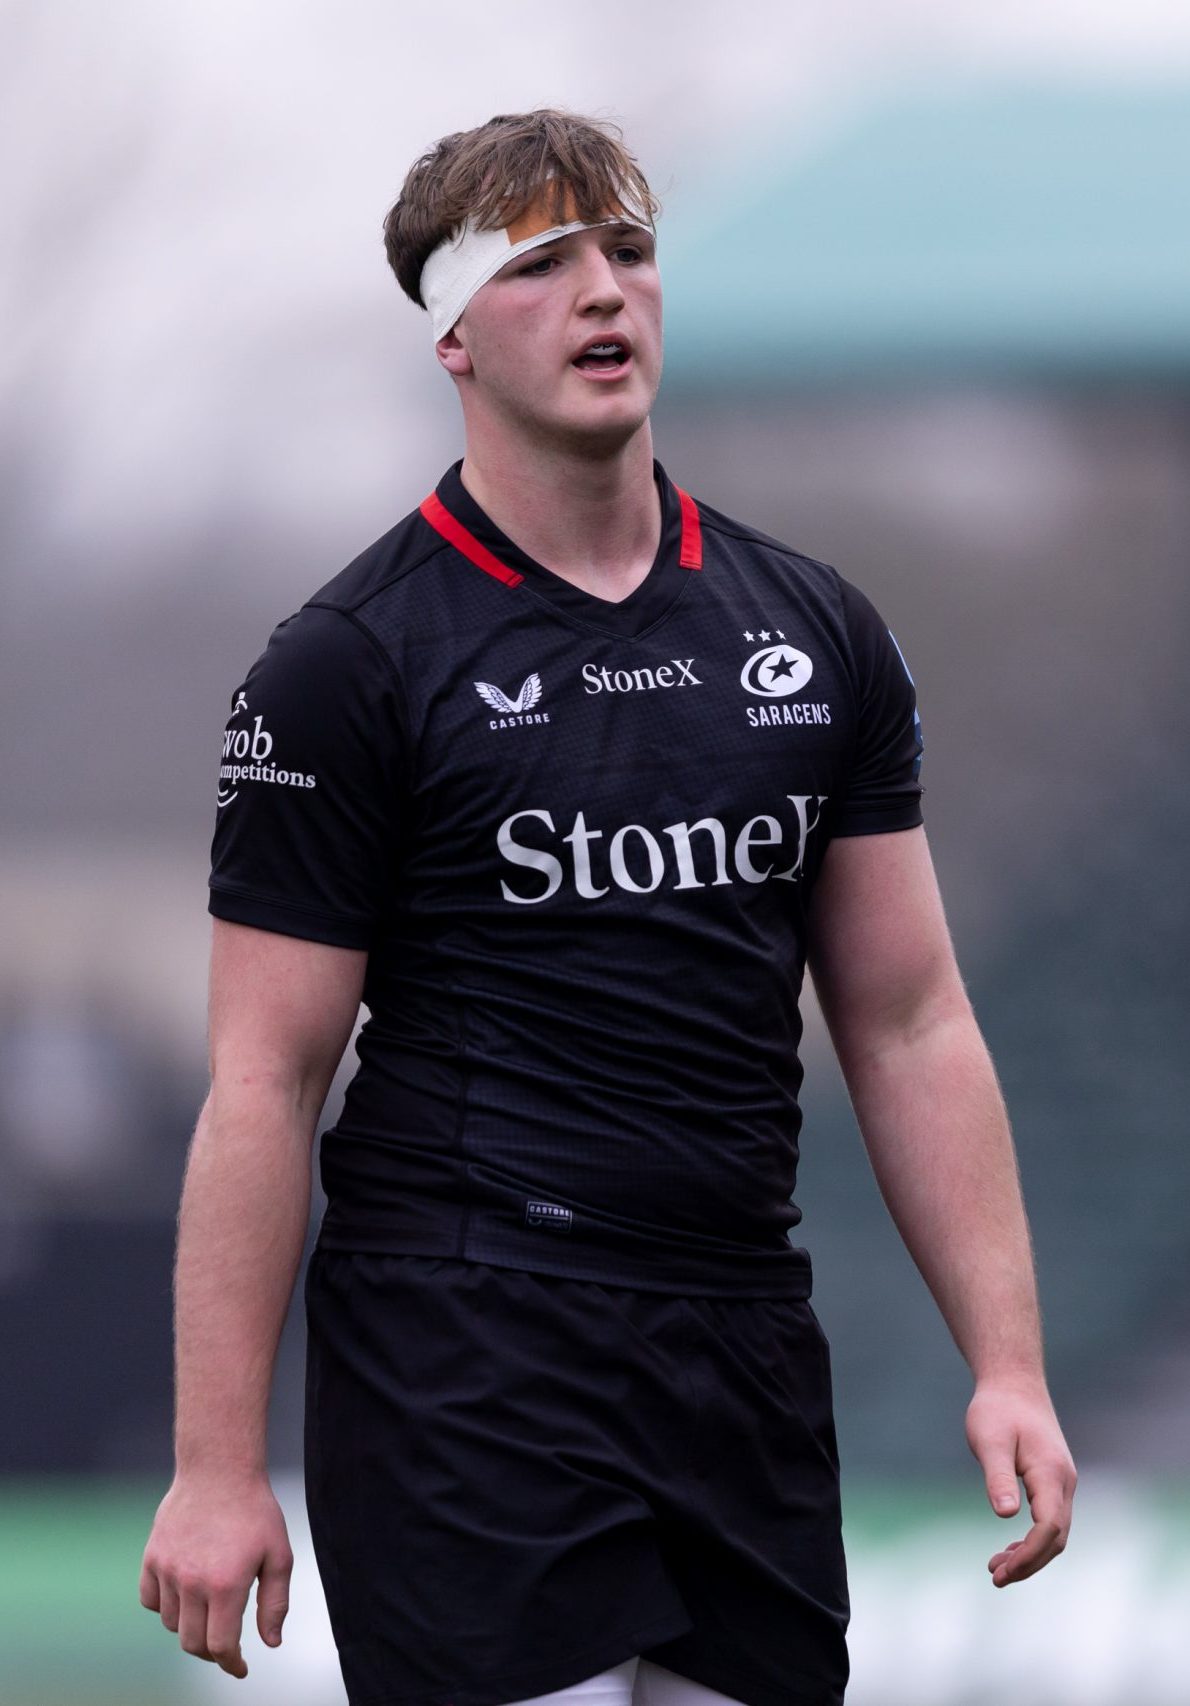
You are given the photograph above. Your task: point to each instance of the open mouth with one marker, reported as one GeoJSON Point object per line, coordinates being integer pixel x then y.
{"type": "Point", "coordinates": [603, 357]}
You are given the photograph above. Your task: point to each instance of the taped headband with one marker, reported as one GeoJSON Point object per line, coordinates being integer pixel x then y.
{"type": "Point", "coordinates": [466, 261]}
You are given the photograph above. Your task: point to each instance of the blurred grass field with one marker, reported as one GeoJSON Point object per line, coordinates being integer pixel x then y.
{"type": "Point", "coordinates": [1105, 1625]}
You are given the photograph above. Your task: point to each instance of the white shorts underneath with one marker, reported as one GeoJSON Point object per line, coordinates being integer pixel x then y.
{"type": "Point", "coordinates": [636, 1682]}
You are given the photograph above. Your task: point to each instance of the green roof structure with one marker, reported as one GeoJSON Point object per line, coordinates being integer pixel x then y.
{"type": "Point", "coordinates": [974, 232]}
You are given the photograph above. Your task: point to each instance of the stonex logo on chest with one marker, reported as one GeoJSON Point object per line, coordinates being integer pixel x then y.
{"type": "Point", "coordinates": [640, 680]}
{"type": "Point", "coordinates": [698, 855]}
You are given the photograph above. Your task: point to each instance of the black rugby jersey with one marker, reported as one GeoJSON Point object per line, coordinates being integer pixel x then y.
{"type": "Point", "coordinates": [578, 839]}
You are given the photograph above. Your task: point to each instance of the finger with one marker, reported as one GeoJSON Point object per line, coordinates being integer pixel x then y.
{"type": "Point", "coordinates": [225, 1614]}
{"type": "Point", "coordinates": [150, 1591]}
{"type": "Point", "coordinates": [999, 1558]}
{"type": "Point", "coordinates": [996, 1456]}
{"type": "Point", "coordinates": [1004, 1495]}
{"type": "Point", "coordinates": [1050, 1488]}
{"type": "Point", "coordinates": [272, 1596]}
{"type": "Point", "coordinates": [192, 1624]}
{"type": "Point", "coordinates": [1051, 1494]}
{"type": "Point", "coordinates": [1042, 1543]}
{"type": "Point", "coordinates": [170, 1605]}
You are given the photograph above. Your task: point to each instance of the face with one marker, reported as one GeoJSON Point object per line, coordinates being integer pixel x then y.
{"type": "Point", "coordinates": [520, 350]}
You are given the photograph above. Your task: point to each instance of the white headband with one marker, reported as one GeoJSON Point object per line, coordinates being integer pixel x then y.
{"type": "Point", "coordinates": [465, 262]}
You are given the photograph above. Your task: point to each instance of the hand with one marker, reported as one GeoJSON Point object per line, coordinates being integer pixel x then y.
{"type": "Point", "coordinates": [1012, 1430]}
{"type": "Point", "coordinates": [211, 1538]}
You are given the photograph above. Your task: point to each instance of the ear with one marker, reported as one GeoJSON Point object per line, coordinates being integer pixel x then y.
{"type": "Point", "coordinates": [451, 353]}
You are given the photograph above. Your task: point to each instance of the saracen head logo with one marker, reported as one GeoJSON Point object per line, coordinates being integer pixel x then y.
{"type": "Point", "coordinates": [774, 672]}
{"type": "Point", "coordinates": [513, 712]}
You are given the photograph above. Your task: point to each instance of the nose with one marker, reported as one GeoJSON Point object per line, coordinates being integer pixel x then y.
{"type": "Point", "coordinates": [600, 291]}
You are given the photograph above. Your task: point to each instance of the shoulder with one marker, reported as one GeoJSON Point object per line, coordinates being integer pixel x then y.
{"type": "Point", "coordinates": [380, 568]}
{"type": "Point", "coordinates": [347, 617]}
{"type": "Point", "coordinates": [740, 536]}
{"type": "Point", "coordinates": [321, 660]}
{"type": "Point", "coordinates": [856, 607]}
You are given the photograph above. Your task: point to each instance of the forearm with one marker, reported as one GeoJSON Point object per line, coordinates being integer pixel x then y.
{"type": "Point", "coordinates": [242, 1226]}
{"type": "Point", "coordinates": [935, 1127]}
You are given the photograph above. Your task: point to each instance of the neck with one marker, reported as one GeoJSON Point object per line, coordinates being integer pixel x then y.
{"type": "Point", "coordinates": [594, 521]}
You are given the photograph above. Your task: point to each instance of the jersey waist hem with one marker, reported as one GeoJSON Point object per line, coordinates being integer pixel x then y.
{"type": "Point", "coordinates": [764, 1273]}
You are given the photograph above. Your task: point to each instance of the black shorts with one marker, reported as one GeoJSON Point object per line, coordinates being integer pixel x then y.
{"type": "Point", "coordinates": [515, 1481]}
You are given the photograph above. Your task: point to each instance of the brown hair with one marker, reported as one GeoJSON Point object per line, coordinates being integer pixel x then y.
{"type": "Point", "coordinates": [578, 168]}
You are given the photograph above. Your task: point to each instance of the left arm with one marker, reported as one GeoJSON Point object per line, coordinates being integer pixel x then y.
{"type": "Point", "coordinates": [935, 1128]}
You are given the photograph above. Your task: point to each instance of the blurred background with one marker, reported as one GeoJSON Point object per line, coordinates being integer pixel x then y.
{"type": "Point", "coordinates": [927, 278]}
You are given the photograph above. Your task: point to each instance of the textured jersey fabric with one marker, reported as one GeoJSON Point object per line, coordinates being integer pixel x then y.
{"type": "Point", "coordinates": [578, 839]}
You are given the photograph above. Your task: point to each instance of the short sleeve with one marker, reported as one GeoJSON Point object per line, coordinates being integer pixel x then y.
{"type": "Point", "coordinates": [884, 789]}
{"type": "Point", "coordinates": [311, 775]}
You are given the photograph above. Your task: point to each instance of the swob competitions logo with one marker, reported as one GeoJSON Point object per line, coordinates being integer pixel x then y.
{"type": "Point", "coordinates": [247, 755]}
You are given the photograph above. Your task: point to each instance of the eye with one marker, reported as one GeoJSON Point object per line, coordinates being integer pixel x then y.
{"type": "Point", "coordinates": [628, 254]}
{"type": "Point", "coordinates": [539, 267]}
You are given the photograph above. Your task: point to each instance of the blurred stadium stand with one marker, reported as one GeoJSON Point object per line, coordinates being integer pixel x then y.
{"type": "Point", "coordinates": [972, 231]}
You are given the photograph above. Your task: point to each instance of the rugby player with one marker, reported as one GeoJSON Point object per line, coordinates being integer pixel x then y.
{"type": "Point", "coordinates": [567, 778]}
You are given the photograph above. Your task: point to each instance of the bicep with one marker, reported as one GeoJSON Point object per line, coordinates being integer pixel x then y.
{"type": "Point", "coordinates": [282, 1010]}
{"type": "Point", "coordinates": [879, 948]}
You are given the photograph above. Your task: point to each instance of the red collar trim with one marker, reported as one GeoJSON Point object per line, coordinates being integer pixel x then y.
{"type": "Point", "coordinates": [443, 522]}
{"type": "Point", "coordinates": [690, 555]}
{"type": "Point", "coordinates": [453, 531]}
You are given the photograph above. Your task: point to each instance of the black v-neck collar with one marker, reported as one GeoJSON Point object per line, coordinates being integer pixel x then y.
{"type": "Point", "coordinates": [454, 513]}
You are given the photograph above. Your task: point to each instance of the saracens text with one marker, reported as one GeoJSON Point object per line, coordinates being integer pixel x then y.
{"type": "Point", "coordinates": [702, 854]}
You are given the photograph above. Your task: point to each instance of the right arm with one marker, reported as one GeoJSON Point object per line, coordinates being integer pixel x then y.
{"type": "Point", "coordinates": [281, 1014]}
